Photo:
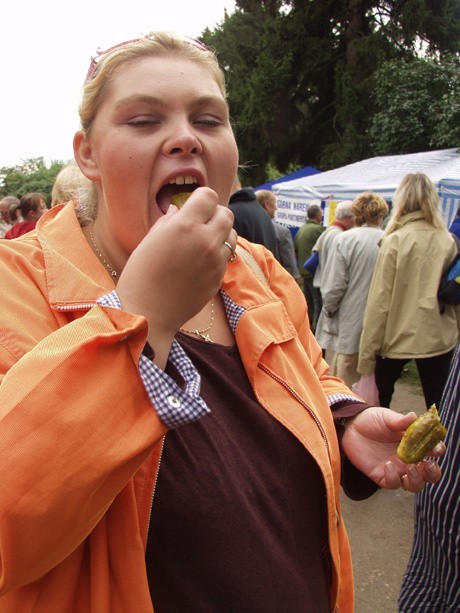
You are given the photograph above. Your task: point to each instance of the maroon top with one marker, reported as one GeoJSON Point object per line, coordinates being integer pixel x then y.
{"type": "Point", "coordinates": [239, 513]}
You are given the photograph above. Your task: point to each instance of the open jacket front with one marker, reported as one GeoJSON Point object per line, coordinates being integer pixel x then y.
{"type": "Point", "coordinates": [81, 441]}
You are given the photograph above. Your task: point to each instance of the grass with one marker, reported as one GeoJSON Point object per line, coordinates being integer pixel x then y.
{"type": "Point", "coordinates": [410, 375]}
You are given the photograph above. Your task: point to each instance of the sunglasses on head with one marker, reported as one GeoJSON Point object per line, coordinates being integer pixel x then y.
{"type": "Point", "coordinates": [102, 54]}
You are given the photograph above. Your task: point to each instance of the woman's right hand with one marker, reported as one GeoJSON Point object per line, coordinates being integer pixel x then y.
{"type": "Point", "coordinates": [370, 442]}
{"type": "Point", "coordinates": [178, 267]}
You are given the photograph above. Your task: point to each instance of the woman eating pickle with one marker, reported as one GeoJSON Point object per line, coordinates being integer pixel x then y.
{"type": "Point", "coordinates": [171, 438]}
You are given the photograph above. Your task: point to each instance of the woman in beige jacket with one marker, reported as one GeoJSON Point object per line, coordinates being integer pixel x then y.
{"type": "Point", "coordinates": [403, 319]}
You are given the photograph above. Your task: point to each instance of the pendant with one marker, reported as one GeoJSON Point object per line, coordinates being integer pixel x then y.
{"type": "Point", "coordinates": [205, 337]}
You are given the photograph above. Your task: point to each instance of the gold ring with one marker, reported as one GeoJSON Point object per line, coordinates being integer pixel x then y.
{"type": "Point", "coordinates": [233, 256]}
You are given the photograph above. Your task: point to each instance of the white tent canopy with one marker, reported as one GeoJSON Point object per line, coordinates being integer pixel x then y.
{"type": "Point", "coordinates": [380, 174]}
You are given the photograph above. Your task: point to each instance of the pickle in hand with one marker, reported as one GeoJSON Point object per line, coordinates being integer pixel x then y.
{"type": "Point", "coordinates": [421, 436]}
{"type": "Point", "coordinates": [180, 199]}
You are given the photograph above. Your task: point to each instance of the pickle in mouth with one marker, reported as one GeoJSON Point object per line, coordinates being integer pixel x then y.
{"type": "Point", "coordinates": [180, 199]}
{"type": "Point", "coordinates": [421, 436]}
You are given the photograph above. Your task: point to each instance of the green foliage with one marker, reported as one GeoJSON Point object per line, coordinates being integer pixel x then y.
{"type": "Point", "coordinates": [273, 100]}
{"type": "Point", "coordinates": [301, 76]}
{"type": "Point", "coordinates": [446, 106]}
{"type": "Point", "coordinates": [417, 106]}
{"type": "Point", "coordinates": [435, 22]}
{"type": "Point", "coordinates": [31, 176]}
{"type": "Point", "coordinates": [252, 53]}
{"type": "Point", "coordinates": [272, 173]}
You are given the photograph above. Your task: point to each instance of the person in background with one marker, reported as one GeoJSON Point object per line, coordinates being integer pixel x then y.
{"type": "Point", "coordinates": [403, 320]}
{"type": "Point", "coordinates": [32, 206]}
{"type": "Point", "coordinates": [267, 200]}
{"type": "Point", "coordinates": [14, 212]}
{"type": "Point", "coordinates": [345, 284]}
{"type": "Point", "coordinates": [431, 582]}
{"type": "Point", "coordinates": [455, 225]}
{"type": "Point", "coordinates": [171, 439]}
{"type": "Point", "coordinates": [304, 242]}
{"type": "Point", "coordinates": [5, 217]}
{"type": "Point", "coordinates": [250, 219]}
{"type": "Point", "coordinates": [70, 184]}
{"type": "Point", "coordinates": [343, 221]}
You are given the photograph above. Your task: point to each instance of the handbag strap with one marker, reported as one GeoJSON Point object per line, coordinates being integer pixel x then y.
{"type": "Point", "coordinates": [252, 263]}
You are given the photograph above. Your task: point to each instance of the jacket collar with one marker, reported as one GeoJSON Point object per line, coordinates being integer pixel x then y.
{"type": "Point", "coordinates": [339, 224]}
{"type": "Point", "coordinates": [246, 194]}
{"type": "Point", "coordinates": [76, 279]}
{"type": "Point", "coordinates": [74, 275]}
{"type": "Point", "coordinates": [410, 217]}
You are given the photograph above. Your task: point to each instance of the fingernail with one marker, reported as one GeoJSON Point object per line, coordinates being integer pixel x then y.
{"type": "Point", "coordinates": [432, 469]}
{"type": "Point", "coordinates": [412, 471]}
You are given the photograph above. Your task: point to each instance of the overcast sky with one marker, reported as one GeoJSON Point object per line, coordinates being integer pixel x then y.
{"type": "Point", "coordinates": [45, 50]}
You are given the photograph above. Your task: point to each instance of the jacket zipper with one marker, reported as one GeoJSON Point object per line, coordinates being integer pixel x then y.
{"type": "Point", "coordinates": [90, 305]}
{"type": "Point", "coordinates": [154, 488]}
{"type": "Point", "coordinates": [75, 307]}
{"type": "Point", "coordinates": [315, 418]}
{"type": "Point", "coordinates": [299, 399]}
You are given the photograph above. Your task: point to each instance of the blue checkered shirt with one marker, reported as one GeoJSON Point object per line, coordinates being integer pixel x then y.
{"type": "Point", "coordinates": [176, 406]}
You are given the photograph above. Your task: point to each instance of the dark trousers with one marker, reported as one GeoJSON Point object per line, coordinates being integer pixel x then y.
{"type": "Point", "coordinates": [314, 301]}
{"type": "Point", "coordinates": [432, 372]}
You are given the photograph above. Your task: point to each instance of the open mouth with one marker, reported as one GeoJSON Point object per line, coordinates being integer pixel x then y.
{"type": "Point", "coordinates": [182, 184]}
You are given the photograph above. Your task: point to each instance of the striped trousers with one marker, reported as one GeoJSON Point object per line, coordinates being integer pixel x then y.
{"type": "Point", "coordinates": [431, 583]}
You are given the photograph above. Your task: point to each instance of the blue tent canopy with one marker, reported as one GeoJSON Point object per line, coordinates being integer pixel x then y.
{"type": "Point", "coordinates": [306, 171]}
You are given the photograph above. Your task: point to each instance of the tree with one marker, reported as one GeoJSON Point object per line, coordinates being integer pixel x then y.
{"type": "Point", "coordinates": [276, 84]}
{"type": "Point", "coordinates": [300, 73]}
{"type": "Point", "coordinates": [417, 106]}
{"type": "Point", "coordinates": [446, 131]}
{"type": "Point", "coordinates": [31, 176]}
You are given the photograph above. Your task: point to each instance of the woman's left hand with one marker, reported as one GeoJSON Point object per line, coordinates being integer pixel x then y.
{"type": "Point", "coordinates": [370, 442]}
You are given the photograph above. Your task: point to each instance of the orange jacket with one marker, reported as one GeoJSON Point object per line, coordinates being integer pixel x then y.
{"type": "Point", "coordinates": [81, 443]}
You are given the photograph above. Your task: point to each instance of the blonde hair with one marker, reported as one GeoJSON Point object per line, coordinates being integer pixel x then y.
{"type": "Point", "coordinates": [369, 208]}
{"type": "Point", "coordinates": [71, 184]}
{"type": "Point", "coordinates": [416, 192]}
{"type": "Point", "coordinates": [96, 87]}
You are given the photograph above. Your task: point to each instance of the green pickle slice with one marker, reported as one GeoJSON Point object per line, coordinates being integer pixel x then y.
{"type": "Point", "coordinates": [180, 199]}
{"type": "Point", "coordinates": [421, 436]}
